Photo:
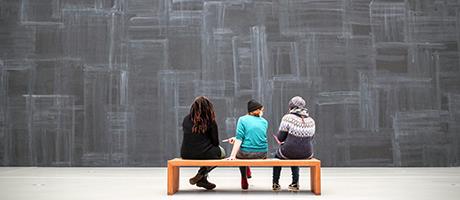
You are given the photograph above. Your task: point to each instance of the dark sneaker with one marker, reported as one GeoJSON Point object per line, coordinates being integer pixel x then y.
{"type": "Point", "coordinates": [294, 187]}
{"type": "Point", "coordinates": [194, 180]}
{"type": "Point", "coordinates": [204, 183]}
{"type": "Point", "coordinates": [276, 187]}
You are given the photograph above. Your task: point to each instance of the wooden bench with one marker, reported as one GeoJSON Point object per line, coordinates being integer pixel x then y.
{"type": "Point", "coordinates": [174, 164]}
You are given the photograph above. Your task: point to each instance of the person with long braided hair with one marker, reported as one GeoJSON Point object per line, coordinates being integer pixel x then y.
{"type": "Point", "coordinates": [201, 139]}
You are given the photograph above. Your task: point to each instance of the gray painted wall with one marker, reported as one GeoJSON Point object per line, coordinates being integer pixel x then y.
{"type": "Point", "coordinates": [108, 82]}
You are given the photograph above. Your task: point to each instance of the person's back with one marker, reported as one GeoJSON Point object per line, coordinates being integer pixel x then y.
{"type": "Point", "coordinates": [297, 133]}
{"type": "Point", "coordinates": [252, 131]}
{"type": "Point", "coordinates": [200, 146]}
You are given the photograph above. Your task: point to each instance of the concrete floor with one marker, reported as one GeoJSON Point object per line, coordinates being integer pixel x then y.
{"type": "Point", "coordinates": [18, 183]}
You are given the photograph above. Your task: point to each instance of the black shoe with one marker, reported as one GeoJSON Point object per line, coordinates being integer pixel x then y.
{"type": "Point", "coordinates": [276, 187]}
{"type": "Point", "coordinates": [194, 180]}
{"type": "Point", "coordinates": [204, 183]}
{"type": "Point", "coordinates": [294, 187]}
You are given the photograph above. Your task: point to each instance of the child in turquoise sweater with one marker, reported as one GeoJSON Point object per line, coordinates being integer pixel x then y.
{"type": "Point", "coordinates": [250, 141]}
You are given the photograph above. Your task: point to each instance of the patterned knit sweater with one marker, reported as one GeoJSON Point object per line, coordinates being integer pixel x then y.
{"type": "Point", "coordinates": [296, 134]}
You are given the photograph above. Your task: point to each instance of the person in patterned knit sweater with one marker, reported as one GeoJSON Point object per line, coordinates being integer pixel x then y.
{"type": "Point", "coordinates": [295, 136]}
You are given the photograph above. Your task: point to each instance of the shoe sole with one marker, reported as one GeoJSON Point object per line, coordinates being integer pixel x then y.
{"type": "Point", "coordinates": [293, 189]}
{"type": "Point", "coordinates": [207, 188]}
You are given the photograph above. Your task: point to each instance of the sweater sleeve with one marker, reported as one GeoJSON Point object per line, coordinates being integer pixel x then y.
{"type": "Point", "coordinates": [240, 130]}
{"type": "Point", "coordinates": [214, 134]}
{"type": "Point", "coordinates": [283, 129]}
{"type": "Point", "coordinates": [310, 126]}
{"type": "Point", "coordinates": [284, 125]}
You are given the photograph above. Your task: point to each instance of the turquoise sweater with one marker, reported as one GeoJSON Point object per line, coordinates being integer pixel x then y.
{"type": "Point", "coordinates": [252, 131]}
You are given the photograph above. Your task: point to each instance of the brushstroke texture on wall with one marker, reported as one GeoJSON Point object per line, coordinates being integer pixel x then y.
{"type": "Point", "coordinates": [108, 82]}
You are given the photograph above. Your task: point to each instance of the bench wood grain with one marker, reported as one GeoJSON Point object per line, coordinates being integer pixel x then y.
{"type": "Point", "coordinates": [174, 164]}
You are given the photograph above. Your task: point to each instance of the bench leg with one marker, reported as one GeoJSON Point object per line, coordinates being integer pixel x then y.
{"type": "Point", "coordinates": [173, 179]}
{"type": "Point", "coordinates": [315, 179]}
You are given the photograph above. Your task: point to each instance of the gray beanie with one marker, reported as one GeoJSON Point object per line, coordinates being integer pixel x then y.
{"type": "Point", "coordinates": [297, 102]}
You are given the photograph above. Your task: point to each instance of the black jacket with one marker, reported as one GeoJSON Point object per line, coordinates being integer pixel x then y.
{"type": "Point", "coordinates": [199, 145]}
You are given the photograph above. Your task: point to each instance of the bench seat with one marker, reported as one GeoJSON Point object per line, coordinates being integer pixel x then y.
{"type": "Point", "coordinates": [175, 164]}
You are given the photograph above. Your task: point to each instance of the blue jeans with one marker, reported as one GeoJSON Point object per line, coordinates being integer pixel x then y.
{"type": "Point", "coordinates": [277, 172]}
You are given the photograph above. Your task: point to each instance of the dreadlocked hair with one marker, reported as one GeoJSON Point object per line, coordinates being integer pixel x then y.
{"type": "Point", "coordinates": [202, 114]}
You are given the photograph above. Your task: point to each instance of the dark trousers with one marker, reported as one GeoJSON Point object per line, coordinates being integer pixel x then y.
{"type": "Point", "coordinates": [205, 170]}
{"type": "Point", "coordinates": [249, 155]}
{"type": "Point", "coordinates": [277, 172]}
{"type": "Point", "coordinates": [243, 172]}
